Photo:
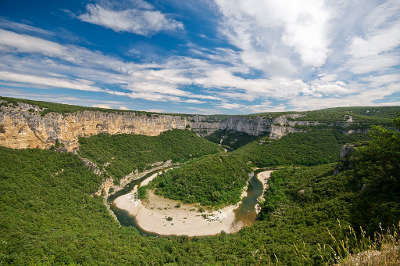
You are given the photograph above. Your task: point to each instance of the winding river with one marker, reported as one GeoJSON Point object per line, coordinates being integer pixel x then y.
{"type": "Point", "coordinates": [160, 216]}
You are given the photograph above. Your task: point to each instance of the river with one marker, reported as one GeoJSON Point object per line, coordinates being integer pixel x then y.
{"type": "Point", "coordinates": [243, 215]}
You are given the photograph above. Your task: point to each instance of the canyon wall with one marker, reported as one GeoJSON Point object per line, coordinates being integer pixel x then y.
{"type": "Point", "coordinates": [23, 125]}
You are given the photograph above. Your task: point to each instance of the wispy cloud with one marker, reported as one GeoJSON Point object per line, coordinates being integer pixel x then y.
{"type": "Point", "coordinates": [15, 26]}
{"type": "Point", "coordinates": [84, 85]}
{"type": "Point", "coordinates": [141, 19]}
{"type": "Point", "coordinates": [276, 56]}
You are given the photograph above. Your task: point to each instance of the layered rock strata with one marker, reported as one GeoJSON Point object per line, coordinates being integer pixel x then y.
{"type": "Point", "coordinates": [24, 125]}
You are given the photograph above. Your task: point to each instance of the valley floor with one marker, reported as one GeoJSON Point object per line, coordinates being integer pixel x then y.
{"type": "Point", "coordinates": [164, 216]}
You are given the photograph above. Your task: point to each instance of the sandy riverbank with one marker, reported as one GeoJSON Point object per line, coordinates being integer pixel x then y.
{"type": "Point", "coordinates": [152, 215]}
{"type": "Point", "coordinates": [263, 177]}
{"type": "Point", "coordinates": [169, 217]}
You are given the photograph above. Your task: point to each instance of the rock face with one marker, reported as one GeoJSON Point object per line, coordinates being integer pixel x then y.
{"type": "Point", "coordinates": [23, 126]}
{"type": "Point", "coordinates": [346, 151]}
{"type": "Point", "coordinates": [255, 126]}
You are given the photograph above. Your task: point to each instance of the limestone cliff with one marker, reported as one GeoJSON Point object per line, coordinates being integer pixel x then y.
{"type": "Point", "coordinates": [23, 125]}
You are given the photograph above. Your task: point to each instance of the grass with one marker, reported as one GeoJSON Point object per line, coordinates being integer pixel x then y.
{"type": "Point", "coordinates": [359, 249]}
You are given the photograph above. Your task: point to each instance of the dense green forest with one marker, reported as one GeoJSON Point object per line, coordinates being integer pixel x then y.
{"type": "Point", "coordinates": [121, 154]}
{"type": "Point", "coordinates": [375, 170]}
{"type": "Point", "coordinates": [210, 181]}
{"type": "Point", "coordinates": [49, 215]}
{"type": "Point", "coordinates": [315, 146]}
{"type": "Point", "coordinates": [214, 180]}
{"type": "Point", "coordinates": [365, 115]}
{"type": "Point", "coordinates": [232, 140]}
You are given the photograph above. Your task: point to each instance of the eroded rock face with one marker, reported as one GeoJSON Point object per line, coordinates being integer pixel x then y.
{"type": "Point", "coordinates": [284, 125]}
{"type": "Point", "coordinates": [22, 126]}
{"type": "Point", "coordinates": [254, 126]}
{"type": "Point", "coordinates": [346, 151]}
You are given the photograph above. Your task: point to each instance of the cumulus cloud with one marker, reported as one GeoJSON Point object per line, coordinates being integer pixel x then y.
{"type": "Point", "coordinates": [376, 49]}
{"type": "Point", "coordinates": [283, 55]}
{"type": "Point", "coordinates": [271, 33]}
{"type": "Point", "coordinates": [142, 20]}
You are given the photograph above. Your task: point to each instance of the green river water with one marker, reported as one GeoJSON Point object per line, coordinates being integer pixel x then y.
{"type": "Point", "coordinates": [246, 212]}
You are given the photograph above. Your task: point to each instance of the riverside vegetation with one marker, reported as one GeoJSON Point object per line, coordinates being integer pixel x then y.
{"type": "Point", "coordinates": [122, 154]}
{"type": "Point", "coordinates": [48, 214]}
{"type": "Point", "coordinates": [215, 180]}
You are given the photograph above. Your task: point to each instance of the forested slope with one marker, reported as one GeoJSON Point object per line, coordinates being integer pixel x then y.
{"type": "Point", "coordinates": [121, 154]}
{"type": "Point", "coordinates": [49, 215]}
{"type": "Point", "coordinates": [214, 180]}
{"type": "Point", "coordinates": [312, 147]}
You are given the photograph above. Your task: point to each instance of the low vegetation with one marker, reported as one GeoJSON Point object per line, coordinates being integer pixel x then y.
{"type": "Point", "coordinates": [49, 107]}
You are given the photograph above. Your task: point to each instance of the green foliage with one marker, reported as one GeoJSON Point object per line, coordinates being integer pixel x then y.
{"type": "Point", "coordinates": [48, 214]}
{"type": "Point", "coordinates": [376, 172]}
{"type": "Point", "coordinates": [213, 180]}
{"type": "Point", "coordinates": [316, 146]}
{"type": "Point", "coordinates": [365, 115]}
{"type": "Point", "coordinates": [68, 108]}
{"type": "Point", "coordinates": [50, 218]}
{"type": "Point", "coordinates": [62, 108]}
{"type": "Point", "coordinates": [231, 139]}
{"type": "Point", "coordinates": [121, 154]}
{"type": "Point", "coordinates": [142, 192]}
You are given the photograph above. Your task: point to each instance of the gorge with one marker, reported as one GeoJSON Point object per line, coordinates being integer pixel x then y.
{"type": "Point", "coordinates": [26, 125]}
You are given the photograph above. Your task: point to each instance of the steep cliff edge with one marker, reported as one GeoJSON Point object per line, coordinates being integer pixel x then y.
{"type": "Point", "coordinates": [25, 125]}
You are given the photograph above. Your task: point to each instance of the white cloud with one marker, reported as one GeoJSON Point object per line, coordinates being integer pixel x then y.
{"type": "Point", "coordinates": [135, 20]}
{"type": "Point", "coordinates": [375, 48]}
{"type": "Point", "coordinates": [368, 64]}
{"type": "Point", "coordinates": [155, 111]}
{"type": "Point", "coordinates": [7, 24]}
{"type": "Point", "coordinates": [83, 85]}
{"type": "Point", "coordinates": [271, 33]}
{"type": "Point", "coordinates": [236, 106]}
{"type": "Point", "coordinates": [27, 43]}
{"type": "Point", "coordinates": [63, 98]}
{"type": "Point", "coordinates": [104, 106]}
{"type": "Point", "coordinates": [381, 80]}
{"type": "Point", "coordinates": [303, 73]}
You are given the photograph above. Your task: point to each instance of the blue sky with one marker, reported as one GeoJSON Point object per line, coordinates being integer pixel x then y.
{"type": "Point", "coordinates": [202, 56]}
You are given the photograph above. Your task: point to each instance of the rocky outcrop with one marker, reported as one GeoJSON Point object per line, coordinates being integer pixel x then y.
{"type": "Point", "coordinates": [24, 126]}
{"type": "Point", "coordinates": [285, 124]}
{"type": "Point", "coordinates": [346, 151]}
